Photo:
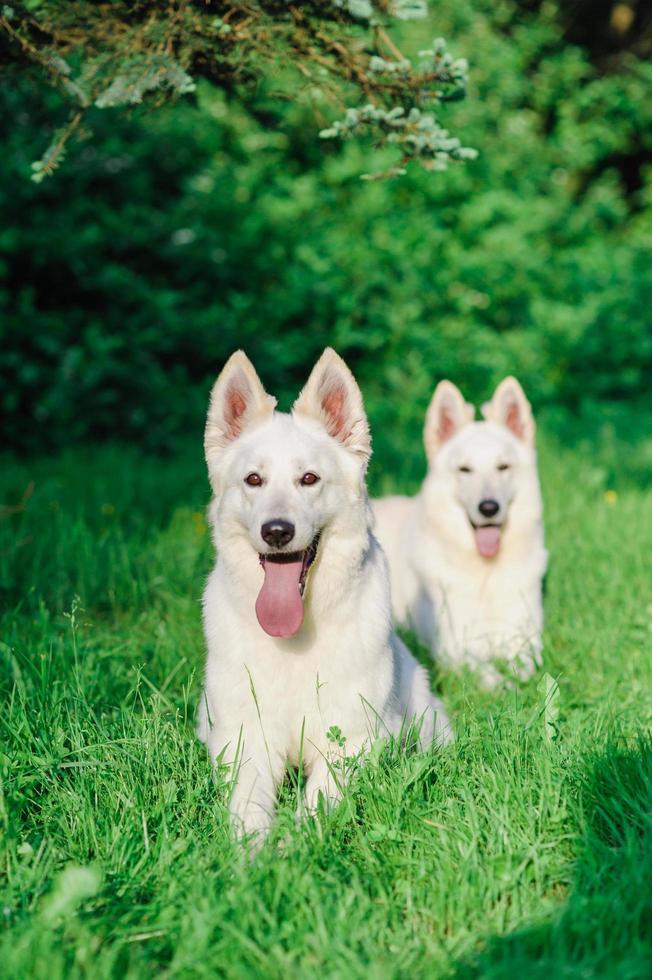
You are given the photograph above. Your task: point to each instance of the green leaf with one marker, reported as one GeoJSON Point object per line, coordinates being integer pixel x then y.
{"type": "Point", "coordinates": [549, 689]}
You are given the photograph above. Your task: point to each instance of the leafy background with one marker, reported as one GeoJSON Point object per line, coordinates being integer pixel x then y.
{"type": "Point", "coordinates": [172, 237]}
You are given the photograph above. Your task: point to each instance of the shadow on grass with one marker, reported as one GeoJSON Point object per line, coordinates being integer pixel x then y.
{"type": "Point", "coordinates": [605, 928]}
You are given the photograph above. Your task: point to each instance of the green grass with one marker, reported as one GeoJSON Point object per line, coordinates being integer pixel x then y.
{"type": "Point", "coordinates": [510, 854]}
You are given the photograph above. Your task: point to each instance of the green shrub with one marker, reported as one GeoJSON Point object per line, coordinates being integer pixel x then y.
{"type": "Point", "coordinates": [175, 237]}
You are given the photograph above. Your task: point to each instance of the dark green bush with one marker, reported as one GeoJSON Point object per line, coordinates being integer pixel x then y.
{"type": "Point", "coordinates": [172, 238]}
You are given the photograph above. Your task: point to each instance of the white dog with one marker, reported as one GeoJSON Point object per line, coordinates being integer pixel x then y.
{"type": "Point", "coordinates": [467, 554]}
{"type": "Point", "coordinates": [303, 666]}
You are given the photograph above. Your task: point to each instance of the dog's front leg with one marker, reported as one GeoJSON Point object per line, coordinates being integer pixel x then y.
{"type": "Point", "coordinates": [255, 774]}
{"type": "Point", "coordinates": [330, 771]}
{"type": "Point", "coordinates": [325, 780]}
{"type": "Point", "coordinates": [253, 799]}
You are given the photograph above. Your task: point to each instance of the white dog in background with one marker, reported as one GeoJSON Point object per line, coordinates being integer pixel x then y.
{"type": "Point", "coordinates": [303, 665]}
{"type": "Point", "coordinates": [467, 555]}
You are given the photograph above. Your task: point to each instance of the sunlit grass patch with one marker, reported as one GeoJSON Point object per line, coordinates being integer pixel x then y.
{"type": "Point", "coordinates": [522, 849]}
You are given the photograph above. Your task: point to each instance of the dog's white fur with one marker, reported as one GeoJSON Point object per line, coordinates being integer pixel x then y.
{"type": "Point", "coordinates": [269, 702]}
{"type": "Point", "coordinates": [466, 608]}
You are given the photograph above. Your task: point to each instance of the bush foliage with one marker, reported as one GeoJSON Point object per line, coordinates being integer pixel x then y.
{"type": "Point", "coordinates": [174, 237]}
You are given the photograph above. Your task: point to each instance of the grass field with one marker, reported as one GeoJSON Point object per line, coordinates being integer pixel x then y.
{"type": "Point", "coordinates": [524, 850]}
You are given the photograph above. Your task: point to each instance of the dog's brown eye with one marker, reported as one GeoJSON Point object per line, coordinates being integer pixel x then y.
{"type": "Point", "coordinates": [464, 469]}
{"type": "Point", "coordinates": [309, 479]}
{"type": "Point", "coordinates": [253, 480]}
{"type": "Point", "coordinates": [503, 466]}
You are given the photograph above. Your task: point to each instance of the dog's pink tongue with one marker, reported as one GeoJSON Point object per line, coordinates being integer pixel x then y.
{"type": "Point", "coordinates": [487, 541]}
{"type": "Point", "coordinates": [279, 606]}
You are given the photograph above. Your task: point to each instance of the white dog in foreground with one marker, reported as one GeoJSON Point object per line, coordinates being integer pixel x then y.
{"type": "Point", "coordinates": [303, 665]}
{"type": "Point", "coordinates": [467, 554]}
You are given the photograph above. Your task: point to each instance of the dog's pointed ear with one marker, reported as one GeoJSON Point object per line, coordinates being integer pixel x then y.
{"type": "Point", "coordinates": [510, 407]}
{"type": "Point", "coordinates": [237, 400]}
{"type": "Point", "coordinates": [447, 414]}
{"type": "Point", "coordinates": [332, 397]}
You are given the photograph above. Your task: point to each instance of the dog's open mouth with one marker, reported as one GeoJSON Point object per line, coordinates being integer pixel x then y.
{"type": "Point", "coordinates": [487, 539]}
{"type": "Point", "coordinates": [279, 606]}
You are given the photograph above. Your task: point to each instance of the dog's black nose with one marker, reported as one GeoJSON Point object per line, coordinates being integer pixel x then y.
{"type": "Point", "coordinates": [488, 508]}
{"type": "Point", "coordinates": [277, 533]}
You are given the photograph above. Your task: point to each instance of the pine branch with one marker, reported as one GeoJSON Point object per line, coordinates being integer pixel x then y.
{"type": "Point", "coordinates": [113, 56]}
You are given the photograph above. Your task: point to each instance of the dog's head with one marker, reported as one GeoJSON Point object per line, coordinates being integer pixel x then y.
{"type": "Point", "coordinates": [481, 462]}
{"type": "Point", "coordinates": [282, 481]}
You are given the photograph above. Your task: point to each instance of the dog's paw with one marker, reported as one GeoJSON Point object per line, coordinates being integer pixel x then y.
{"type": "Point", "coordinates": [490, 677]}
{"type": "Point", "coordinates": [508, 674]}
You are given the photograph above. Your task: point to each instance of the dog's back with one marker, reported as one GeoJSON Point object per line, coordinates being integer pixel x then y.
{"type": "Point", "coordinates": [393, 520]}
